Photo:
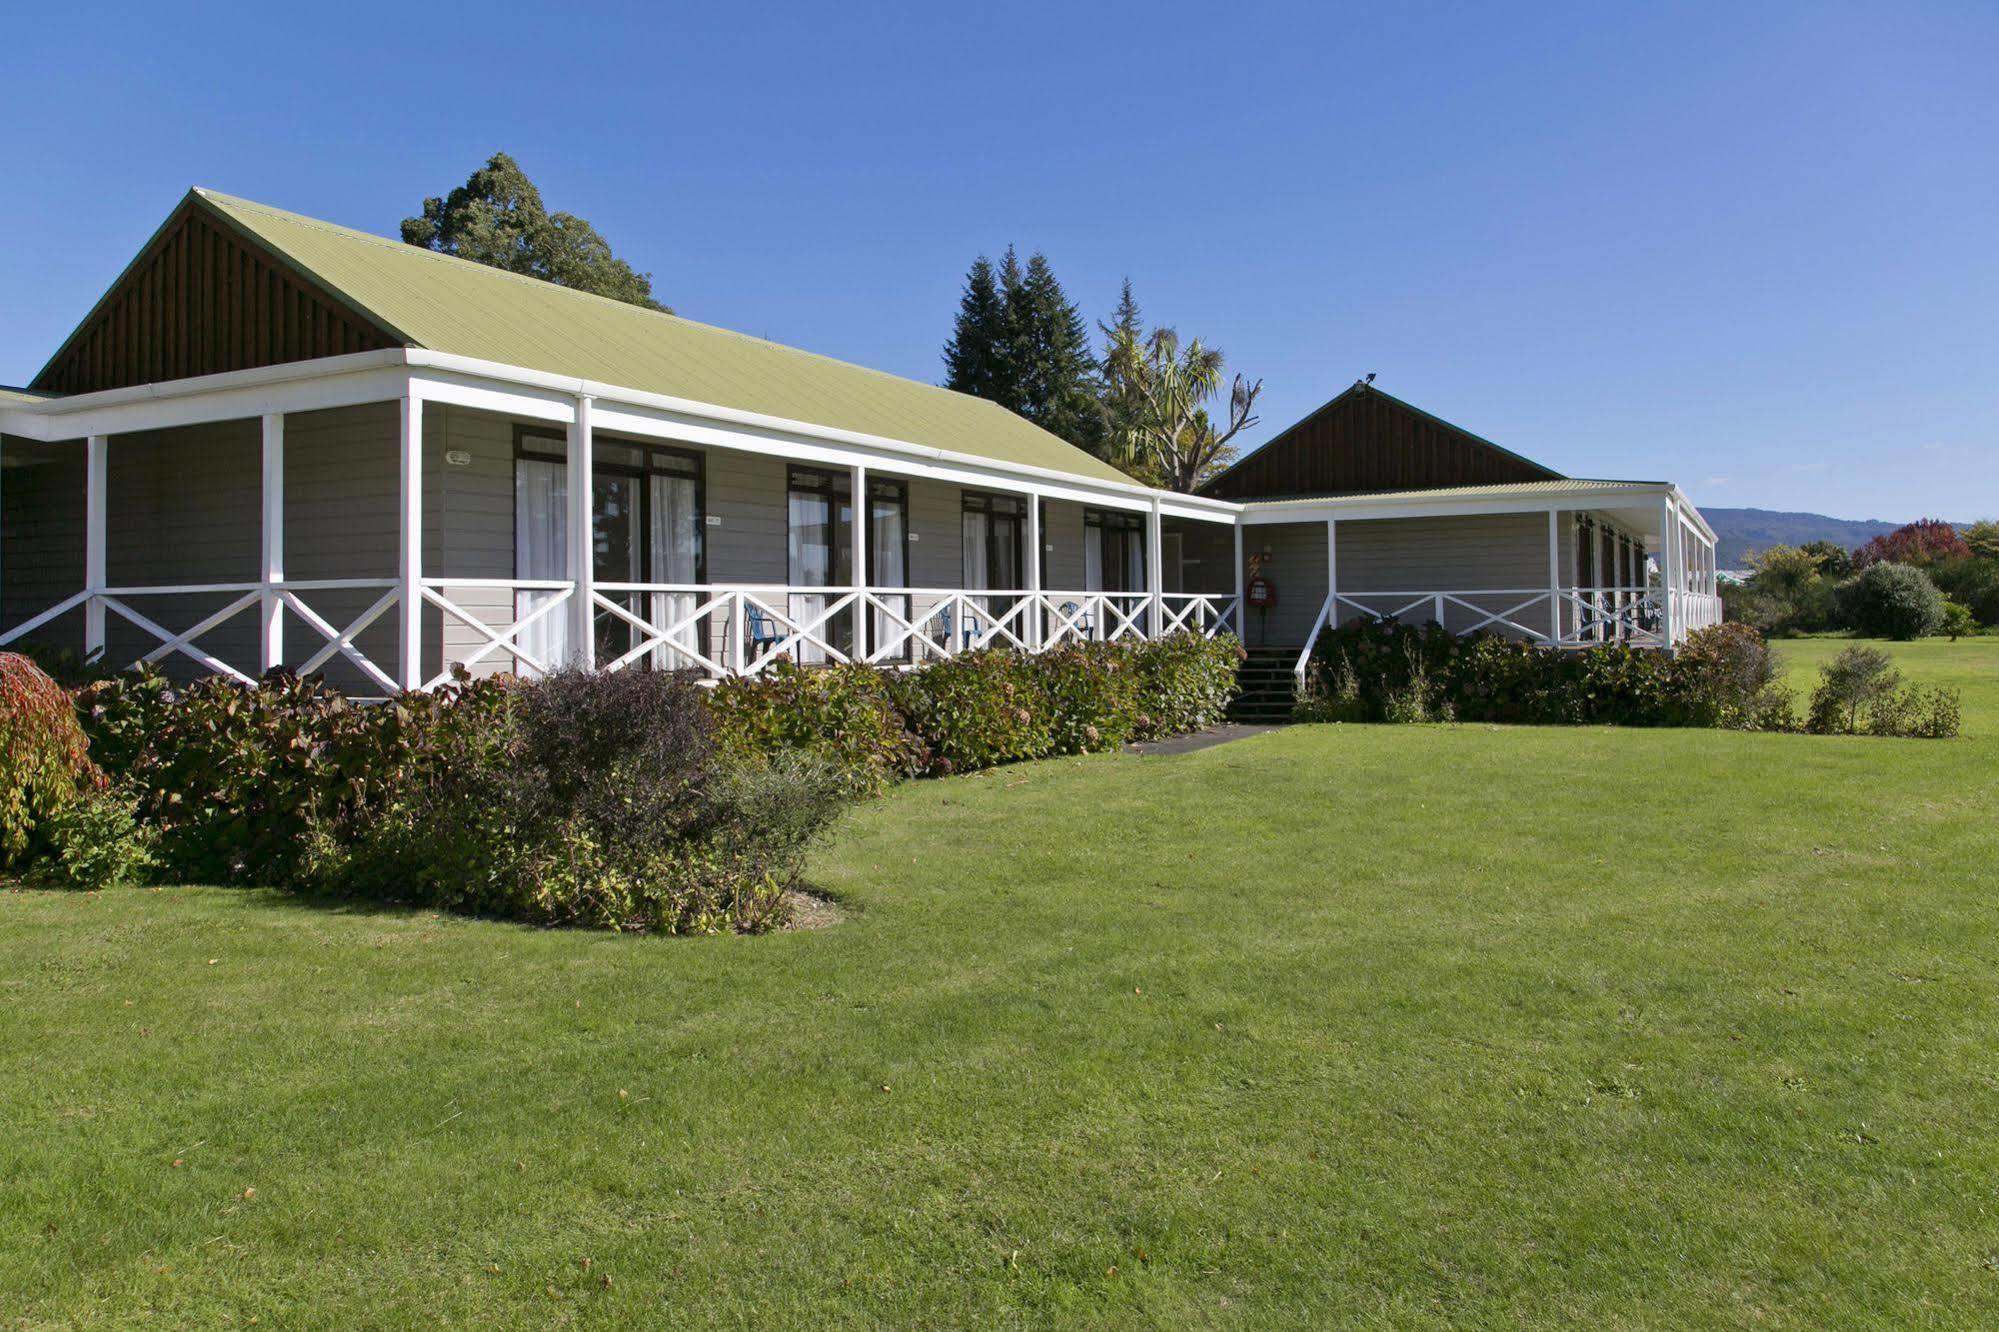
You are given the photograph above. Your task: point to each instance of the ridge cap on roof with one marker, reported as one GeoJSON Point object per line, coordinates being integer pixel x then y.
{"type": "Point", "coordinates": [222, 200]}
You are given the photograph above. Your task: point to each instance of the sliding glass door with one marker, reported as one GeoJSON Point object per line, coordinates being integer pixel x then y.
{"type": "Point", "coordinates": [820, 552]}
{"type": "Point", "coordinates": [647, 525]}
{"type": "Point", "coordinates": [888, 565]}
{"type": "Point", "coordinates": [1114, 558]}
{"type": "Point", "coordinates": [541, 550]}
{"type": "Point", "coordinates": [994, 527]}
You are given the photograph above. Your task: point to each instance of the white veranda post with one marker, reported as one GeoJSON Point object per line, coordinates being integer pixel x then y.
{"type": "Point", "coordinates": [582, 540]}
{"type": "Point", "coordinates": [1241, 573]}
{"type": "Point", "coordinates": [858, 505]}
{"type": "Point", "coordinates": [1332, 575]}
{"type": "Point", "coordinates": [1155, 565]}
{"type": "Point", "coordinates": [1034, 620]}
{"type": "Point", "coordinates": [409, 559]}
{"type": "Point", "coordinates": [1669, 568]}
{"type": "Point", "coordinates": [96, 473]}
{"type": "Point", "coordinates": [1554, 577]}
{"type": "Point", "coordinates": [273, 575]}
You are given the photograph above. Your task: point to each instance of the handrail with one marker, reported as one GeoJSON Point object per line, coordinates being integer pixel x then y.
{"type": "Point", "coordinates": [1311, 640]}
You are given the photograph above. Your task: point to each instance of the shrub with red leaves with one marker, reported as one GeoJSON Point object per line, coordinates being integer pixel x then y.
{"type": "Point", "coordinates": [44, 758]}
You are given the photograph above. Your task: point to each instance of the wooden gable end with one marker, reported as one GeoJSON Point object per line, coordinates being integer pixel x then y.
{"type": "Point", "coordinates": [1364, 440]}
{"type": "Point", "coordinates": [202, 299]}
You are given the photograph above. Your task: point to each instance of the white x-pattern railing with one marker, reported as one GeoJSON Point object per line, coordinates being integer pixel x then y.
{"type": "Point", "coordinates": [718, 630]}
{"type": "Point", "coordinates": [240, 597]}
{"type": "Point", "coordinates": [1564, 617]}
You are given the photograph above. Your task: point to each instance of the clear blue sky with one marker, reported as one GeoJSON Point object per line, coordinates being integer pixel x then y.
{"type": "Point", "coordinates": [1752, 248]}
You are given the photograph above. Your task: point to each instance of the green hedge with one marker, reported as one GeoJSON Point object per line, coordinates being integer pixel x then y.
{"type": "Point", "coordinates": [632, 800]}
{"type": "Point", "coordinates": [980, 709]}
{"type": "Point", "coordinates": [1376, 670]}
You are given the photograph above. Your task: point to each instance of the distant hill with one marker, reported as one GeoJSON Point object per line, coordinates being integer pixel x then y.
{"type": "Point", "coordinates": [1740, 531]}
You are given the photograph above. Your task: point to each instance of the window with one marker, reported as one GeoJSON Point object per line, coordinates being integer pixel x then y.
{"type": "Point", "coordinates": [1113, 551]}
{"type": "Point", "coordinates": [994, 528]}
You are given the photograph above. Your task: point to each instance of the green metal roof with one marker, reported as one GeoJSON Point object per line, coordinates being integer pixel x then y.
{"type": "Point", "coordinates": [444, 304]}
{"type": "Point", "coordinates": [21, 395]}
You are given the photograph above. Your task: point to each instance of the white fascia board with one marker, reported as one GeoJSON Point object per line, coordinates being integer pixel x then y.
{"type": "Point", "coordinates": [635, 405]}
{"type": "Point", "coordinates": [380, 376]}
{"type": "Point", "coordinates": [1362, 507]}
{"type": "Point", "coordinates": [334, 381]}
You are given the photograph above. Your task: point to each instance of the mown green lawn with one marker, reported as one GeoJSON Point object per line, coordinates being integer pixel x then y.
{"type": "Point", "coordinates": [1336, 1026]}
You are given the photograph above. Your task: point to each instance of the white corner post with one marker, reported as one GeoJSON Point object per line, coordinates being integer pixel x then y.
{"type": "Point", "coordinates": [1554, 576]}
{"type": "Point", "coordinates": [96, 476]}
{"type": "Point", "coordinates": [1669, 569]}
{"type": "Point", "coordinates": [1332, 574]}
{"type": "Point", "coordinates": [409, 548]}
{"type": "Point", "coordinates": [1241, 572]}
{"type": "Point", "coordinates": [1602, 579]}
{"type": "Point", "coordinates": [859, 504]}
{"type": "Point", "coordinates": [582, 540]}
{"type": "Point", "coordinates": [1035, 621]}
{"type": "Point", "coordinates": [1155, 568]}
{"type": "Point", "coordinates": [272, 573]}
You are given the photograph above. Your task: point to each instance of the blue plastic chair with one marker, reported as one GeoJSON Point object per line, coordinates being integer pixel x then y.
{"type": "Point", "coordinates": [762, 633]}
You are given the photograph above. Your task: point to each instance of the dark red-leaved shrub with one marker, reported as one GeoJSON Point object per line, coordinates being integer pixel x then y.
{"type": "Point", "coordinates": [44, 757]}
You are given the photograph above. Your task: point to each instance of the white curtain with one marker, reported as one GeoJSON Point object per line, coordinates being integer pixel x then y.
{"type": "Point", "coordinates": [541, 533]}
{"type": "Point", "coordinates": [975, 568]}
{"type": "Point", "coordinates": [811, 545]}
{"type": "Point", "coordinates": [889, 544]}
{"type": "Point", "coordinates": [1134, 562]}
{"type": "Point", "coordinates": [975, 550]}
{"type": "Point", "coordinates": [674, 537]}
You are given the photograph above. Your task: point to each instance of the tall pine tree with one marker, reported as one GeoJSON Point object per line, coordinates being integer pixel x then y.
{"type": "Point", "coordinates": [975, 359]}
{"type": "Point", "coordinates": [1020, 342]}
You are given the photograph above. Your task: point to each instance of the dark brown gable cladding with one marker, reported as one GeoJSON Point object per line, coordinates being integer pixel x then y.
{"type": "Point", "coordinates": [202, 299]}
{"type": "Point", "coordinates": [1364, 440]}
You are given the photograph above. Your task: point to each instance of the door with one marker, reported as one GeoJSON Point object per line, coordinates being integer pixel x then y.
{"type": "Point", "coordinates": [674, 537]}
{"type": "Point", "coordinates": [888, 565]}
{"type": "Point", "coordinates": [819, 555]}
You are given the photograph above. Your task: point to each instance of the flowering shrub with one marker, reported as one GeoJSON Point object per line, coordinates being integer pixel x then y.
{"type": "Point", "coordinates": [844, 714]}
{"type": "Point", "coordinates": [1383, 670]}
{"type": "Point", "coordinates": [44, 757]}
{"type": "Point", "coordinates": [980, 708]}
{"type": "Point", "coordinates": [231, 777]}
{"type": "Point", "coordinates": [977, 709]}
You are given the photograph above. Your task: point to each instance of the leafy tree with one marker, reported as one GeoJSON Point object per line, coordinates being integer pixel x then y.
{"type": "Point", "coordinates": [1787, 592]}
{"type": "Point", "coordinates": [1020, 342]}
{"type": "Point", "coordinates": [1857, 679]}
{"type": "Point", "coordinates": [1833, 559]}
{"type": "Point", "coordinates": [1982, 539]}
{"type": "Point", "coordinates": [1896, 601]}
{"type": "Point", "coordinates": [1957, 620]}
{"type": "Point", "coordinates": [1920, 543]}
{"type": "Point", "coordinates": [496, 218]}
{"type": "Point", "coordinates": [1169, 387]}
{"type": "Point", "coordinates": [1123, 408]}
{"type": "Point", "coordinates": [1973, 581]}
